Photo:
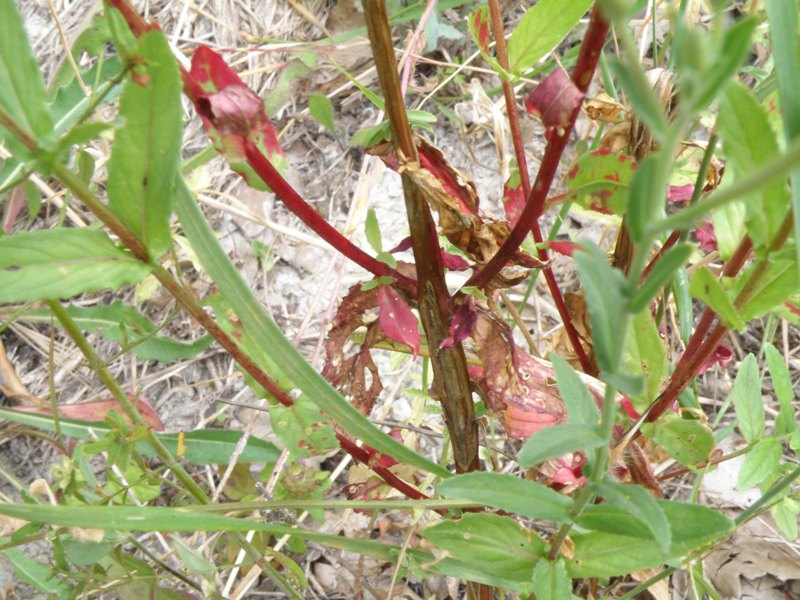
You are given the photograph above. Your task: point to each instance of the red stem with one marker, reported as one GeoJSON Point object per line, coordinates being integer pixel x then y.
{"type": "Point", "coordinates": [528, 221]}
{"type": "Point", "coordinates": [316, 222]}
{"type": "Point", "coordinates": [264, 168]}
{"type": "Point", "coordinates": [522, 163]}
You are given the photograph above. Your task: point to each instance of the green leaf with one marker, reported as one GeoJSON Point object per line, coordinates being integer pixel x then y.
{"type": "Point", "coordinates": [581, 405]}
{"type": "Point", "coordinates": [611, 518]}
{"type": "Point", "coordinates": [60, 263]}
{"type": "Point", "coordinates": [641, 96]}
{"type": "Point", "coordinates": [647, 196]}
{"type": "Point", "coordinates": [202, 446]}
{"type": "Point", "coordinates": [605, 290]}
{"type": "Point", "coordinates": [707, 288]}
{"type": "Point", "coordinates": [543, 27]}
{"type": "Point", "coordinates": [760, 464]}
{"type": "Point", "coordinates": [600, 180]}
{"type": "Point", "coordinates": [785, 422]}
{"type": "Point", "coordinates": [268, 337]}
{"type": "Point", "coordinates": [322, 110]}
{"type": "Point", "coordinates": [303, 429]}
{"type": "Point", "coordinates": [551, 582]}
{"type": "Point", "coordinates": [785, 515]}
{"type": "Point", "coordinates": [492, 543]}
{"type": "Point", "coordinates": [124, 324]}
{"type": "Point", "coordinates": [780, 282]}
{"type": "Point", "coordinates": [558, 440]}
{"type": "Point", "coordinates": [509, 493]}
{"type": "Point", "coordinates": [279, 95]}
{"type": "Point", "coordinates": [724, 64]}
{"type": "Point", "coordinates": [661, 275]}
{"type": "Point", "coordinates": [82, 554]}
{"type": "Point", "coordinates": [159, 518]}
{"type": "Point", "coordinates": [598, 554]}
{"type": "Point", "coordinates": [373, 231]}
{"type": "Point", "coordinates": [747, 400]}
{"type": "Point", "coordinates": [146, 151]}
{"type": "Point", "coordinates": [645, 355]}
{"type": "Point", "coordinates": [728, 222]}
{"type": "Point", "coordinates": [36, 574]}
{"type": "Point", "coordinates": [638, 502]}
{"type": "Point", "coordinates": [686, 440]}
{"type": "Point", "coordinates": [22, 93]}
{"type": "Point", "coordinates": [749, 141]}
{"type": "Point", "coordinates": [785, 46]}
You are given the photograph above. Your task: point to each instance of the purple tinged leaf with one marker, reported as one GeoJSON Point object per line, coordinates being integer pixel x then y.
{"type": "Point", "coordinates": [513, 197]}
{"type": "Point", "coordinates": [454, 262]}
{"type": "Point", "coordinates": [555, 99]}
{"type": "Point", "coordinates": [680, 193]}
{"type": "Point", "coordinates": [462, 324]}
{"type": "Point", "coordinates": [396, 319]}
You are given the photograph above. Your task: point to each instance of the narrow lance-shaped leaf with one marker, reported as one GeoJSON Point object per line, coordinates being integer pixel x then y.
{"type": "Point", "coordinates": [396, 318]}
{"type": "Point", "coordinates": [22, 93]}
{"type": "Point", "coordinates": [558, 440]}
{"type": "Point", "coordinates": [606, 299]}
{"type": "Point", "coordinates": [202, 447]}
{"type": "Point", "coordinates": [266, 335]}
{"type": "Point", "coordinates": [146, 151]}
{"type": "Point", "coordinates": [60, 263]}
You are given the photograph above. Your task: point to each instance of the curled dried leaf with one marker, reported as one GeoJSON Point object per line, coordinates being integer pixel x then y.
{"type": "Point", "coordinates": [605, 109]}
{"type": "Point", "coordinates": [355, 376]}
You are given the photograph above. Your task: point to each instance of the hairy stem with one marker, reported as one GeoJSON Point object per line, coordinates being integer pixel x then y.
{"type": "Point", "coordinates": [451, 379]}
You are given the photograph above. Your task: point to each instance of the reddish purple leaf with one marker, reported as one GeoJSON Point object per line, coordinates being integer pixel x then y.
{"type": "Point", "coordinates": [454, 262]}
{"type": "Point", "coordinates": [555, 99]}
{"type": "Point", "coordinates": [680, 193]}
{"type": "Point", "coordinates": [706, 236]}
{"type": "Point", "coordinates": [232, 115]}
{"type": "Point", "coordinates": [513, 197]}
{"type": "Point", "coordinates": [567, 469]}
{"type": "Point", "coordinates": [480, 26]}
{"type": "Point", "coordinates": [627, 406]}
{"type": "Point", "coordinates": [563, 248]}
{"type": "Point", "coordinates": [721, 356]}
{"type": "Point", "coordinates": [462, 324]}
{"type": "Point", "coordinates": [396, 319]}
{"type": "Point", "coordinates": [405, 244]}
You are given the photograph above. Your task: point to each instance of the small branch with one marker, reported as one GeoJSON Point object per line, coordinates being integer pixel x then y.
{"type": "Point", "coordinates": [699, 350]}
{"type": "Point", "coordinates": [451, 379]}
{"type": "Point", "coordinates": [528, 221]}
{"type": "Point", "coordinates": [582, 75]}
{"type": "Point", "coordinates": [294, 202]}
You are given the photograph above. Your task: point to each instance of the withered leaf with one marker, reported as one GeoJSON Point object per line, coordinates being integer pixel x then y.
{"type": "Point", "coordinates": [349, 374]}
